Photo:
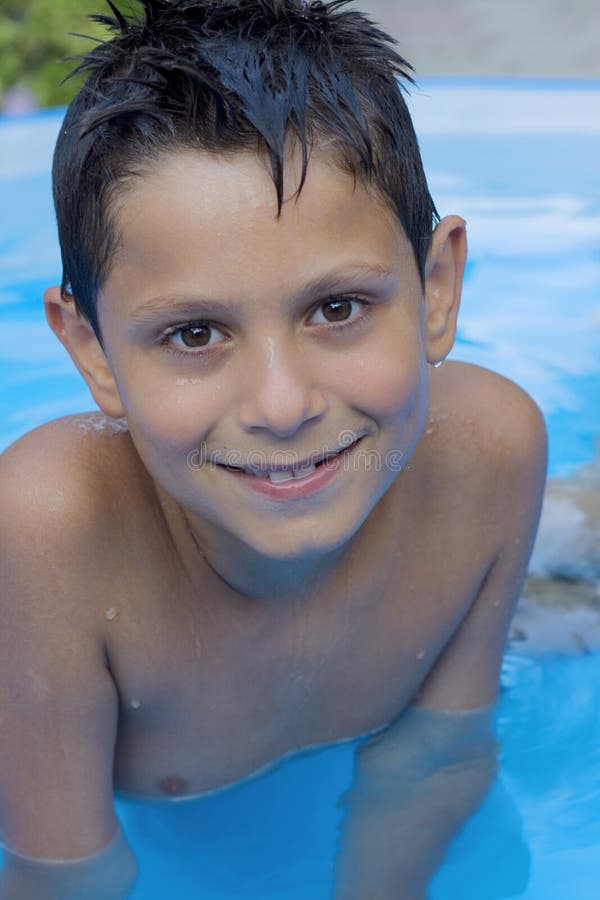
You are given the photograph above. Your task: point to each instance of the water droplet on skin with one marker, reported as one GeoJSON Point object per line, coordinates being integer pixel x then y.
{"type": "Point", "coordinates": [111, 613]}
{"type": "Point", "coordinates": [135, 704]}
{"type": "Point", "coordinates": [421, 654]}
{"type": "Point", "coordinates": [38, 686]}
{"type": "Point", "coordinates": [100, 422]}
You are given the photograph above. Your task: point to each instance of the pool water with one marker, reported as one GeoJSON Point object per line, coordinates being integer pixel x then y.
{"type": "Point", "coordinates": [537, 834]}
{"type": "Point", "coordinates": [519, 160]}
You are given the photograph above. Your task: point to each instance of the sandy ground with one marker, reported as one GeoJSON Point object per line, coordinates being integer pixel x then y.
{"type": "Point", "coordinates": [537, 38]}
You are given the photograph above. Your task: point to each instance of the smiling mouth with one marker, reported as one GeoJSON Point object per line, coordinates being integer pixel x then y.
{"type": "Point", "coordinates": [287, 473]}
{"type": "Point", "coordinates": [278, 475]}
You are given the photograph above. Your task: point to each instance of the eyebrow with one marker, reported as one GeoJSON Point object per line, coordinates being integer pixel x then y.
{"type": "Point", "coordinates": [197, 305]}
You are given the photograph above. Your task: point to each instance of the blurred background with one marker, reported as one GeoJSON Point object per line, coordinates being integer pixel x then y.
{"type": "Point", "coordinates": [531, 38]}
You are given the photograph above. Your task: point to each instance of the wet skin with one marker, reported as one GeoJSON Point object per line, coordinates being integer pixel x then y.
{"type": "Point", "coordinates": [279, 372]}
{"type": "Point", "coordinates": [217, 629]}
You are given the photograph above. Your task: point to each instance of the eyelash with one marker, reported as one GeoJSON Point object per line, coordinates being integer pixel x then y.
{"type": "Point", "coordinates": [346, 325]}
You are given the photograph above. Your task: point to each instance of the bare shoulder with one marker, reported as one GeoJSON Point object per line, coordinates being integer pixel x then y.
{"type": "Point", "coordinates": [65, 489]}
{"type": "Point", "coordinates": [59, 533]}
{"type": "Point", "coordinates": [74, 440]}
{"type": "Point", "coordinates": [55, 558]}
{"type": "Point", "coordinates": [488, 438]}
{"type": "Point", "coordinates": [68, 468]}
{"type": "Point", "coordinates": [488, 423]}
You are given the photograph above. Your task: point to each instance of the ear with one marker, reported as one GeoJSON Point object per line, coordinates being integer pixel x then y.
{"type": "Point", "coordinates": [77, 335]}
{"type": "Point", "coordinates": [444, 272]}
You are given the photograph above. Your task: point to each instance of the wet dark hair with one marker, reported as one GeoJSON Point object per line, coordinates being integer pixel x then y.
{"type": "Point", "coordinates": [224, 77]}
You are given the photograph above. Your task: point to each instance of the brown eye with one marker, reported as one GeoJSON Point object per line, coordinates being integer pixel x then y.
{"type": "Point", "coordinates": [195, 335]}
{"type": "Point", "coordinates": [192, 339]}
{"type": "Point", "coordinates": [337, 310]}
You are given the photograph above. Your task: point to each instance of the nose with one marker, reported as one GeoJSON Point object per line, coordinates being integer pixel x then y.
{"type": "Point", "coordinates": [281, 394]}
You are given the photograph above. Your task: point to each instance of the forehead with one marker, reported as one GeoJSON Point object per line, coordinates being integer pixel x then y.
{"type": "Point", "coordinates": [214, 217]}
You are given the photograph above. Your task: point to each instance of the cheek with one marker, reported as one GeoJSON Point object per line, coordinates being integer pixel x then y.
{"type": "Point", "coordinates": [163, 406]}
{"type": "Point", "coordinates": [174, 417]}
{"type": "Point", "coordinates": [392, 383]}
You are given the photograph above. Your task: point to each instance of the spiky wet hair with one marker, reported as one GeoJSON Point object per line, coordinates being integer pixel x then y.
{"type": "Point", "coordinates": [225, 77]}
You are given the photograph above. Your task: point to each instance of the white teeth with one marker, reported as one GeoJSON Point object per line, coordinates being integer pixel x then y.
{"type": "Point", "coordinates": [280, 476]}
{"type": "Point", "coordinates": [283, 475]}
{"type": "Point", "coordinates": [307, 470]}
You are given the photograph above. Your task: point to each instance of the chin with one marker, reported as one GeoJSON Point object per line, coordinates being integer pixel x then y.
{"type": "Point", "coordinates": [300, 544]}
{"type": "Point", "coordinates": [306, 538]}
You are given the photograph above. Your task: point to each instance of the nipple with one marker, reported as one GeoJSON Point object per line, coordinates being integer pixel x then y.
{"type": "Point", "coordinates": [173, 785]}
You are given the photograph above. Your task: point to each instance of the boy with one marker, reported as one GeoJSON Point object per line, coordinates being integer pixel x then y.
{"type": "Point", "coordinates": [296, 528]}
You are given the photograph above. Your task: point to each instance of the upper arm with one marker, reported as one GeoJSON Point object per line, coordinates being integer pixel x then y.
{"type": "Point", "coordinates": [58, 703]}
{"type": "Point", "coordinates": [466, 674]}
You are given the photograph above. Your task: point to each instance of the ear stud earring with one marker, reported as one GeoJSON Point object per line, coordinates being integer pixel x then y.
{"type": "Point", "coordinates": [437, 364]}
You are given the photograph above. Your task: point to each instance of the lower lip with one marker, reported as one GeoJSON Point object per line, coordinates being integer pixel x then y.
{"type": "Point", "coordinates": [297, 487]}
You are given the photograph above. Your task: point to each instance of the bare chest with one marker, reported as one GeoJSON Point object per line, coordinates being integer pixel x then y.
{"type": "Point", "coordinates": [208, 699]}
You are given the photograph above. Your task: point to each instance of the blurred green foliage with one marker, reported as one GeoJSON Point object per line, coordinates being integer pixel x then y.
{"type": "Point", "coordinates": [34, 37]}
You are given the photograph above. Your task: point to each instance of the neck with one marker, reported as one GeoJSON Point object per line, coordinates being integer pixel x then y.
{"type": "Point", "coordinates": [262, 578]}
{"type": "Point", "coordinates": [249, 574]}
